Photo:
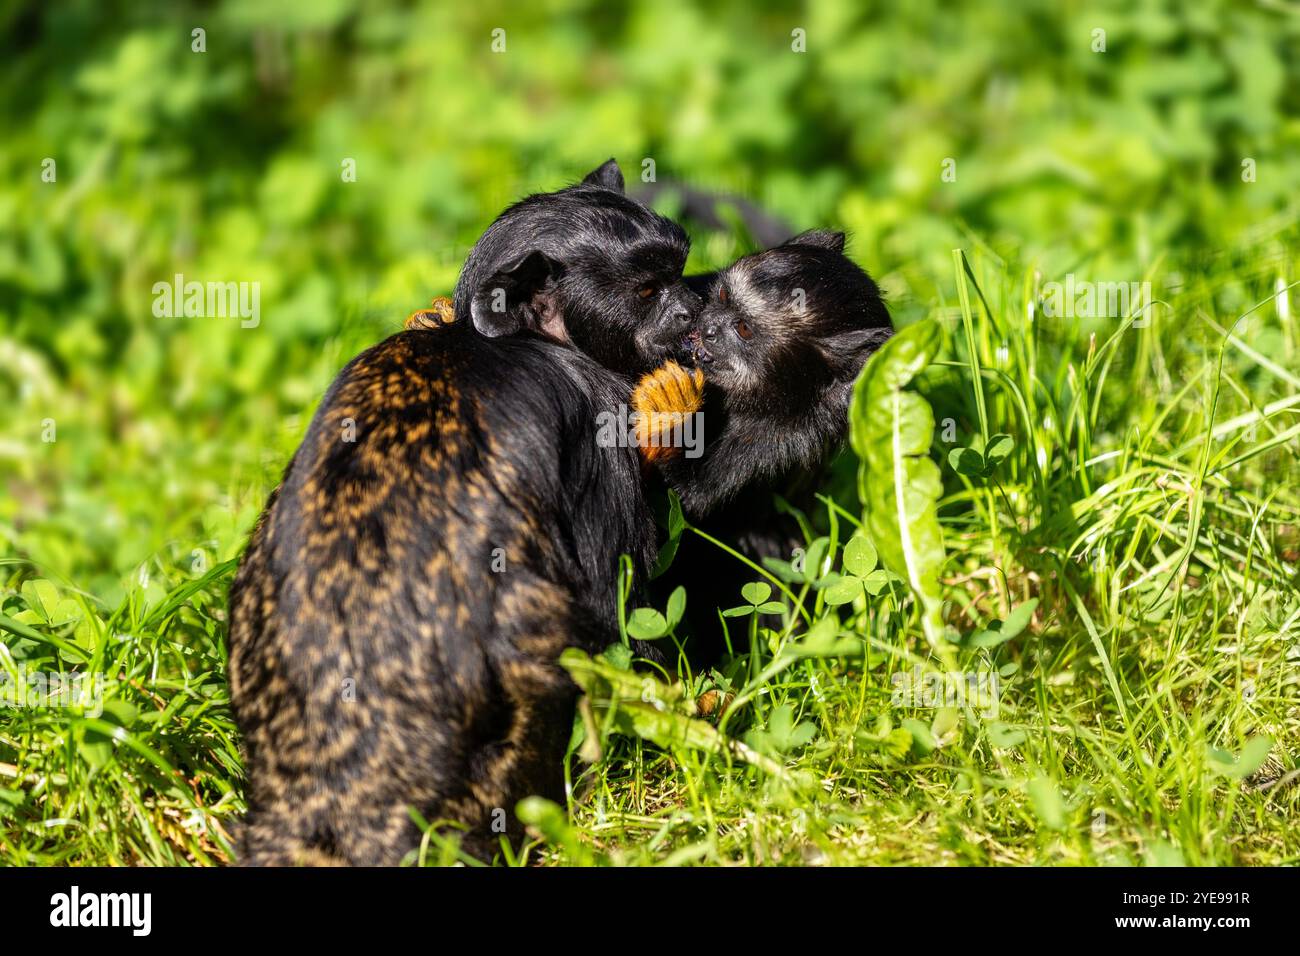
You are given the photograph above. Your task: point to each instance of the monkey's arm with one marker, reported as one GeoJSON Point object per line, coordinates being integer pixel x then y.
{"type": "Point", "coordinates": [729, 463]}
{"type": "Point", "coordinates": [741, 452]}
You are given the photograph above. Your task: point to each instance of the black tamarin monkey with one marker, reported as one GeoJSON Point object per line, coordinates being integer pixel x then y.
{"type": "Point", "coordinates": [448, 525]}
{"type": "Point", "coordinates": [781, 338]}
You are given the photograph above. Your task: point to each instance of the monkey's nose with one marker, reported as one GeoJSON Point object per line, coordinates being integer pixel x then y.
{"type": "Point", "coordinates": [711, 331]}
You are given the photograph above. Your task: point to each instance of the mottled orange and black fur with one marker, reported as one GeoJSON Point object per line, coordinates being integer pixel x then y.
{"type": "Point", "coordinates": [449, 525]}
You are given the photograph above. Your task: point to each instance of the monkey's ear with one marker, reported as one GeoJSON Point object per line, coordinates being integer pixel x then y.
{"type": "Point", "coordinates": [851, 351]}
{"type": "Point", "coordinates": [509, 299]}
{"type": "Point", "coordinates": [854, 347]}
{"type": "Point", "coordinates": [822, 238]}
{"type": "Point", "coordinates": [607, 176]}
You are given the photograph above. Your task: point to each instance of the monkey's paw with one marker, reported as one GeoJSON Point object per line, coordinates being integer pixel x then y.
{"type": "Point", "coordinates": [440, 313]}
{"type": "Point", "coordinates": [663, 400]}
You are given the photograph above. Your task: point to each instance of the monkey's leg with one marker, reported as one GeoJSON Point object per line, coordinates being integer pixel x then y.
{"type": "Point", "coordinates": [417, 759]}
{"type": "Point", "coordinates": [273, 837]}
{"type": "Point", "coordinates": [349, 813]}
{"type": "Point", "coordinates": [281, 827]}
{"type": "Point", "coordinates": [528, 761]}
{"type": "Point", "coordinates": [521, 753]}
{"type": "Point", "coordinates": [331, 776]}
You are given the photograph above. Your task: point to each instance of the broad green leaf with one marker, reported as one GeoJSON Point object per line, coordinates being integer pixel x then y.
{"type": "Point", "coordinates": [825, 640]}
{"type": "Point", "coordinates": [802, 735]}
{"type": "Point", "coordinates": [1004, 736]}
{"type": "Point", "coordinates": [814, 559]}
{"type": "Point", "coordinates": [619, 656]}
{"type": "Point", "coordinates": [922, 739]}
{"type": "Point", "coordinates": [95, 737]}
{"type": "Point", "coordinates": [42, 597]}
{"type": "Point", "coordinates": [120, 712]}
{"type": "Point", "coordinates": [603, 676]}
{"type": "Point", "coordinates": [946, 721]}
{"type": "Point", "coordinates": [898, 742]}
{"type": "Point", "coordinates": [65, 611]}
{"type": "Point", "coordinates": [1047, 803]}
{"type": "Point", "coordinates": [647, 624]}
{"type": "Point", "coordinates": [1252, 758]}
{"type": "Point", "coordinates": [999, 632]}
{"type": "Point", "coordinates": [552, 822]}
{"type": "Point", "coordinates": [781, 720]}
{"type": "Point", "coordinates": [783, 570]}
{"type": "Point", "coordinates": [859, 556]}
{"type": "Point", "coordinates": [847, 588]}
{"type": "Point", "coordinates": [676, 525]}
{"type": "Point", "coordinates": [1019, 618]}
{"type": "Point", "coordinates": [95, 749]}
{"type": "Point", "coordinates": [966, 461]}
{"type": "Point", "coordinates": [999, 447]}
{"type": "Point", "coordinates": [1165, 854]}
{"type": "Point", "coordinates": [69, 652]}
{"type": "Point", "coordinates": [875, 581]}
{"type": "Point", "coordinates": [676, 606]}
{"type": "Point", "coordinates": [756, 592]}
{"type": "Point", "coordinates": [10, 800]}
{"type": "Point", "coordinates": [891, 431]}
{"type": "Point", "coordinates": [991, 636]}
{"type": "Point", "coordinates": [640, 706]}
{"type": "Point", "coordinates": [676, 520]}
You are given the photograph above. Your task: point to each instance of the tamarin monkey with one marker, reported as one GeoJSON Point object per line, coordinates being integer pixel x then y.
{"type": "Point", "coordinates": [779, 342]}
{"type": "Point", "coordinates": [781, 338]}
{"type": "Point", "coordinates": [447, 527]}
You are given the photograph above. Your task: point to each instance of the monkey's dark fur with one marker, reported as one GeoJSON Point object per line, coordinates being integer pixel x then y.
{"type": "Point", "coordinates": [781, 337]}
{"type": "Point", "coordinates": [381, 654]}
{"type": "Point", "coordinates": [583, 261]}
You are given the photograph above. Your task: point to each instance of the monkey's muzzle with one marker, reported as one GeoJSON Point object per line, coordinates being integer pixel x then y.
{"type": "Point", "coordinates": [696, 347]}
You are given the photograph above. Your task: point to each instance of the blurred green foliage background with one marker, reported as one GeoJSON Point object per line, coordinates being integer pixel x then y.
{"type": "Point", "coordinates": [226, 165]}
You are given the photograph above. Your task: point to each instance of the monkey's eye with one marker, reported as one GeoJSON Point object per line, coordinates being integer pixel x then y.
{"type": "Point", "coordinates": [646, 291]}
{"type": "Point", "coordinates": [723, 296]}
{"type": "Point", "coordinates": [744, 331]}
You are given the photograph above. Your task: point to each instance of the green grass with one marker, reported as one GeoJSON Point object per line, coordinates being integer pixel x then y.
{"type": "Point", "coordinates": [1150, 507]}
{"type": "Point", "coordinates": [1164, 640]}
{"type": "Point", "coordinates": [1147, 507]}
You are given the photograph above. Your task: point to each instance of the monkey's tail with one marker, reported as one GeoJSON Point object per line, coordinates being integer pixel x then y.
{"type": "Point", "coordinates": [720, 210]}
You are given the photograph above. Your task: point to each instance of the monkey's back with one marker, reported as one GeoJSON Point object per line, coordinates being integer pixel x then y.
{"type": "Point", "coordinates": [447, 526]}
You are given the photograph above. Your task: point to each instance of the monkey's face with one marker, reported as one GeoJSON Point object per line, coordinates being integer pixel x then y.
{"type": "Point", "coordinates": [623, 297]}
{"type": "Point", "coordinates": [585, 265]}
{"type": "Point", "coordinates": [783, 325]}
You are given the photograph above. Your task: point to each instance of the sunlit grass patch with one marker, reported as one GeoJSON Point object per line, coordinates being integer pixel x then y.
{"type": "Point", "coordinates": [1123, 564]}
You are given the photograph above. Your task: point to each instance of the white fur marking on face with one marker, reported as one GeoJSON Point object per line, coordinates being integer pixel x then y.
{"type": "Point", "coordinates": [774, 320]}
{"type": "Point", "coordinates": [743, 295]}
{"type": "Point", "coordinates": [738, 379]}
